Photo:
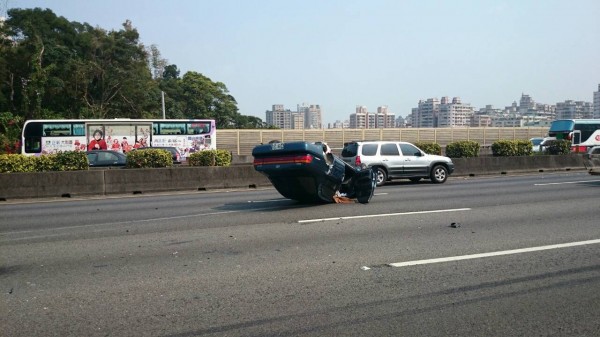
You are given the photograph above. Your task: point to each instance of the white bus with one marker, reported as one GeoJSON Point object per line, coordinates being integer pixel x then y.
{"type": "Point", "coordinates": [51, 136]}
{"type": "Point", "coordinates": [583, 133]}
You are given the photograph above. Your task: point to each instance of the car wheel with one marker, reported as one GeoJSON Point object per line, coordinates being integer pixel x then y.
{"type": "Point", "coordinates": [415, 179]}
{"type": "Point", "coordinates": [439, 174]}
{"type": "Point", "coordinates": [380, 176]}
{"type": "Point", "coordinates": [365, 186]}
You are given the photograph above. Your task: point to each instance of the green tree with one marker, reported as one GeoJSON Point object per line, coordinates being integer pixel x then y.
{"type": "Point", "coordinates": [53, 68]}
{"type": "Point", "coordinates": [170, 83]}
{"type": "Point", "coordinates": [197, 96]}
{"type": "Point", "coordinates": [57, 68]}
{"type": "Point", "coordinates": [115, 80]}
{"type": "Point", "coordinates": [250, 122]}
{"type": "Point", "coordinates": [34, 49]}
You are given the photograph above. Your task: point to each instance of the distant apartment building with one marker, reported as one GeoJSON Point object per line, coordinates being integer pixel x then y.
{"type": "Point", "coordinates": [371, 121]}
{"type": "Point", "coordinates": [426, 113]}
{"type": "Point", "coordinates": [490, 110]}
{"type": "Point", "coordinates": [363, 119]}
{"type": "Point", "coordinates": [574, 110]}
{"type": "Point", "coordinates": [312, 115]}
{"type": "Point", "coordinates": [528, 107]}
{"type": "Point", "coordinates": [454, 113]}
{"type": "Point", "coordinates": [536, 121]}
{"type": "Point", "coordinates": [523, 114]}
{"type": "Point", "coordinates": [481, 120]}
{"type": "Point", "coordinates": [384, 118]}
{"type": "Point", "coordinates": [287, 119]}
{"type": "Point", "coordinates": [298, 121]}
{"type": "Point", "coordinates": [483, 117]}
{"type": "Point", "coordinates": [514, 108]}
{"type": "Point", "coordinates": [358, 120]}
{"type": "Point", "coordinates": [517, 121]}
{"type": "Point", "coordinates": [597, 103]}
{"type": "Point", "coordinates": [279, 117]}
{"type": "Point", "coordinates": [410, 119]}
{"type": "Point", "coordinates": [526, 104]}
{"type": "Point", "coordinates": [433, 113]}
{"type": "Point", "coordinates": [339, 125]}
{"type": "Point", "coordinates": [507, 122]}
{"type": "Point", "coordinates": [401, 122]}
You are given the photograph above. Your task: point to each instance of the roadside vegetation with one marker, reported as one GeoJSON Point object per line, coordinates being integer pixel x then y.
{"type": "Point", "coordinates": [53, 68]}
{"type": "Point", "coordinates": [77, 161]}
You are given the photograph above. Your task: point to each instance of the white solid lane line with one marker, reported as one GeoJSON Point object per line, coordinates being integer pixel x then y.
{"type": "Point", "coordinates": [388, 214]}
{"type": "Point", "coordinates": [499, 253]}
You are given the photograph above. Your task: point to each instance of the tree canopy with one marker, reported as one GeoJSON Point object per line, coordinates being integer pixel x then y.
{"type": "Point", "coordinates": [53, 68]}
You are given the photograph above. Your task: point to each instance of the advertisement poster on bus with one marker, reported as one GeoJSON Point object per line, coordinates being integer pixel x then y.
{"type": "Point", "coordinates": [186, 144]}
{"type": "Point", "coordinates": [117, 137]}
{"type": "Point", "coordinates": [61, 144]}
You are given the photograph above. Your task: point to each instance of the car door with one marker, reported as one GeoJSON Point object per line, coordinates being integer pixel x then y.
{"type": "Point", "coordinates": [391, 158]}
{"type": "Point", "coordinates": [415, 163]}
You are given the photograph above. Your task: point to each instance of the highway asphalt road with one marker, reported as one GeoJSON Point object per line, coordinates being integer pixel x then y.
{"type": "Point", "coordinates": [491, 256]}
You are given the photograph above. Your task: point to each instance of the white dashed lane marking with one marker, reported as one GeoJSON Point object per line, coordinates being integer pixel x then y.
{"type": "Point", "coordinates": [383, 215]}
{"type": "Point", "coordinates": [491, 254]}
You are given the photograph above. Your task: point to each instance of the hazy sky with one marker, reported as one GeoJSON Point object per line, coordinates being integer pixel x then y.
{"type": "Point", "coordinates": [344, 53]}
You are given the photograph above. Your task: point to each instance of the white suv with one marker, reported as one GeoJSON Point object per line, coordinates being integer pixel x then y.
{"type": "Point", "coordinates": [393, 160]}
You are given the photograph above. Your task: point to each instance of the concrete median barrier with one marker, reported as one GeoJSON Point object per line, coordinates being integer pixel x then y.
{"type": "Point", "coordinates": [104, 182]}
{"type": "Point", "coordinates": [182, 179]}
{"type": "Point", "coordinates": [51, 184]}
{"type": "Point", "coordinates": [504, 165]}
{"type": "Point", "coordinates": [242, 175]}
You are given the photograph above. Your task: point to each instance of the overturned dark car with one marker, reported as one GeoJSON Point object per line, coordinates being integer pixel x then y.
{"type": "Point", "coordinates": [310, 173]}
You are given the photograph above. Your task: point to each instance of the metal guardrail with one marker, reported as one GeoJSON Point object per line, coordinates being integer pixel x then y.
{"type": "Point", "coordinates": [241, 142]}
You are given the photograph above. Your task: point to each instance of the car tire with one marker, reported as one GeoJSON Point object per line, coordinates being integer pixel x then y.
{"type": "Point", "coordinates": [439, 174]}
{"type": "Point", "coordinates": [365, 186]}
{"type": "Point", "coordinates": [380, 176]}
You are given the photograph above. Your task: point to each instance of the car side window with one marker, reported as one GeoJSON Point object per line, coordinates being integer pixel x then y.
{"type": "Point", "coordinates": [106, 156]}
{"type": "Point", "coordinates": [409, 150]}
{"type": "Point", "coordinates": [369, 149]}
{"type": "Point", "coordinates": [389, 149]}
{"type": "Point", "coordinates": [350, 150]}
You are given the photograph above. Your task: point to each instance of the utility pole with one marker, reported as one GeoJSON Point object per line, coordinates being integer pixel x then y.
{"type": "Point", "coordinates": [162, 93]}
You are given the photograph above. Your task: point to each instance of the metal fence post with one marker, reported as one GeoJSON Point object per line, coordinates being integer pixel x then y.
{"type": "Point", "coordinates": [484, 138]}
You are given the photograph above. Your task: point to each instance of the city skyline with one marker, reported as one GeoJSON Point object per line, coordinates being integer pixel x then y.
{"type": "Point", "coordinates": [342, 53]}
{"type": "Point", "coordinates": [527, 106]}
